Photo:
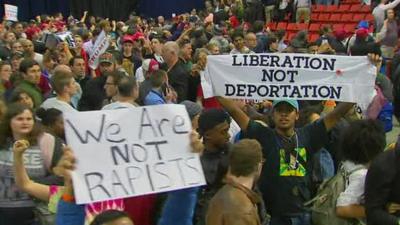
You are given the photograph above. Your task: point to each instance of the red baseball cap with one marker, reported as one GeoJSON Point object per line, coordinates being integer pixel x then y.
{"type": "Point", "coordinates": [127, 38]}
{"type": "Point", "coordinates": [150, 65]}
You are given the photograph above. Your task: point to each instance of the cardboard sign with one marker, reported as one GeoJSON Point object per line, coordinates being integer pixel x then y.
{"type": "Point", "coordinates": [11, 12]}
{"type": "Point", "coordinates": [290, 76]}
{"type": "Point", "coordinates": [131, 152]}
{"type": "Point", "coordinates": [100, 46]}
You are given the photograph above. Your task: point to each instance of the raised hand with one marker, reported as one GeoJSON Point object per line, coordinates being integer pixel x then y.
{"type": "Point", "coordinates": [20, 146]}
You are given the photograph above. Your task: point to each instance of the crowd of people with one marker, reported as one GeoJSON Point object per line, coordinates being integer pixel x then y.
{"type": "Point", "coordinates": [264, 162]}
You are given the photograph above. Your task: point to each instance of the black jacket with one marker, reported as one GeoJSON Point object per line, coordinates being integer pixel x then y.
{"type": "Point", "coordinates": [94, 94]}
{"type": "Point", "coordinates": [178, 78]}
{"type": "Point", "coordinates": [382, 186]}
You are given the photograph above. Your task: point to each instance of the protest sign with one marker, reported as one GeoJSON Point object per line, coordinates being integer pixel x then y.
{"type": "Point", "coordinates": [296, 76]}
{"type": "Point", "coordinates": [11, 12]}
{"type": "Point", "coordinates": [131, 152]}
{"type": "Point", "coordinates": [99, 47]}
{"type": "Point", "coordinates": [68, 37]}
{"type": "Point", "coordinates": [51, 40]}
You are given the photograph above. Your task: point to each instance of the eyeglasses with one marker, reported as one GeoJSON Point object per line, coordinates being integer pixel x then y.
{"type": "Point", "coordinates": [108, 83]}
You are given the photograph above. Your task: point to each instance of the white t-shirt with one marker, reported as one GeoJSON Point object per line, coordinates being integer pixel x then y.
{"type": "Point", "coordinates": [57, 104]}
{"type": "Point", "coordinates": [118, 105]}
{"type": "Point", "coordinates": [354, 192]}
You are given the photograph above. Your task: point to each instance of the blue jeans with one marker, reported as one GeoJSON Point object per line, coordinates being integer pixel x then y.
{"type": "Point", "coordinates": [304, 219]}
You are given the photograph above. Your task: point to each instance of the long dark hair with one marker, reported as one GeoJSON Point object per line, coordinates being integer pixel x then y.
{"type": "Point", "coordinates": [5, 126]}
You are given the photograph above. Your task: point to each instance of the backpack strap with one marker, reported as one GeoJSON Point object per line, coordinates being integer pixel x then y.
{"type": "Point", "coordinates": [57, 153]}
{"type": "Point", "coordinates": [346, 174]}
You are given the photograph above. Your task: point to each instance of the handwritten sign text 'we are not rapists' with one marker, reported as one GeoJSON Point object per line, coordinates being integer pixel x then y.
{"type": "Point", "coordinates": [131, 152]}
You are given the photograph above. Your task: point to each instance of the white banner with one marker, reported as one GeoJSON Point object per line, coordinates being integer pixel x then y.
{"type": "Point", "coordinates": [297, 76]}
{"type": "Point", "coordinates": [99, 47]}
{"type": "Point", "coordinates": [131, 152]}
{"type": "Point", "coordinates": [11, 12]}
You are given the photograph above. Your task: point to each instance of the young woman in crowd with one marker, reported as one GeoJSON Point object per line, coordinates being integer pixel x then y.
{"type": "Point", "coordinates": [16, 206]}
{"type": "Point", "coordinates": [22, 97]}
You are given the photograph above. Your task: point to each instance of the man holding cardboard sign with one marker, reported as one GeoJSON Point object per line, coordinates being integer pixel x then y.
{"type": "Point", "coordinates": [284, 178]}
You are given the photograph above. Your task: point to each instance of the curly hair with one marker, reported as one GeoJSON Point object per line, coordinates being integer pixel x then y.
{"type": "Point", "coordinates": [362, 141]}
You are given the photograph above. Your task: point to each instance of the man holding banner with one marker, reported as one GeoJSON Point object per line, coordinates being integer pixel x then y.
{"type": "Point", "coordinates": [285, 176]}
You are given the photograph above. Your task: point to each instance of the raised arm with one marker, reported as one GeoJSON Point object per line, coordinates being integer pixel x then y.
{"type": "Point", "coordinates": [391, 5]}
{"type": "Point", "coordinates": [332, 118]}
{"type": "Point", "coordinates": [238, 115]}
{"type": "Point", "coordinates": [83, 19]}
{"type": "Point", "coordinates": [22, 179]}
{"type": "Point", "coordinates": [68, 213]}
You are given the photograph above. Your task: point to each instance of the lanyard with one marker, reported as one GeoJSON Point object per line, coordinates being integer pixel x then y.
{"type": "Point", "coordinates": [293, 163]}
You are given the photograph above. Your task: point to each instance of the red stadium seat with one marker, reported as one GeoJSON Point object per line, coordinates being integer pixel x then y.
{"type": "Point", "coordinates": [348, 17]}
{"type": "Point", "coordinates": [292, 27]}
{"type": "Point", "coordinates": [272, 25]}
{"type": "Point", "coordinates": [366, 9]}
{"type": "Point", "coordinates": [314, 17]}
{"type": "Point", "coordinates": [350, 27]}
{"type": "Point", "coordinates": [336, 17]}
{"type": "Point", "coordinates": [313, 37]}
{"type": "Point", "coordinates": [338, 26]}
{"type": "Point", "coordinates": [370, 18]}
{"type": "Point", "coordinates": [319, 8]}
{"type": "Point", "coordinates": [331, 8]}
{"type": "Point", "coordinates": [302, 26]}
{"type": "Point", "coordinates": [344, 8]}
{"type": "Point", "coordinates": [324, 17]}
{"type": "Point", "coordinates": [314, 27]}
{"type": "Point", "coordinates": [358, 17]}
{"type": "Point", "coordinates": [281, 26]}
{"type": "Point", "coordinates": [356, 8]}
{"type": "Point", "coordinates": [291, 35]}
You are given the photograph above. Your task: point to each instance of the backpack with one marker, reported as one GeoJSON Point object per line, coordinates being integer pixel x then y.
{"type": "Point", "coordinates": [323, 205]}
{"type": "Point", "coordinates": [386, 116]}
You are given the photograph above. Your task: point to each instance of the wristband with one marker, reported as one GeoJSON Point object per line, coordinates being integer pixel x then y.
{"type": "Point", "coordinates": [68, 198]}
